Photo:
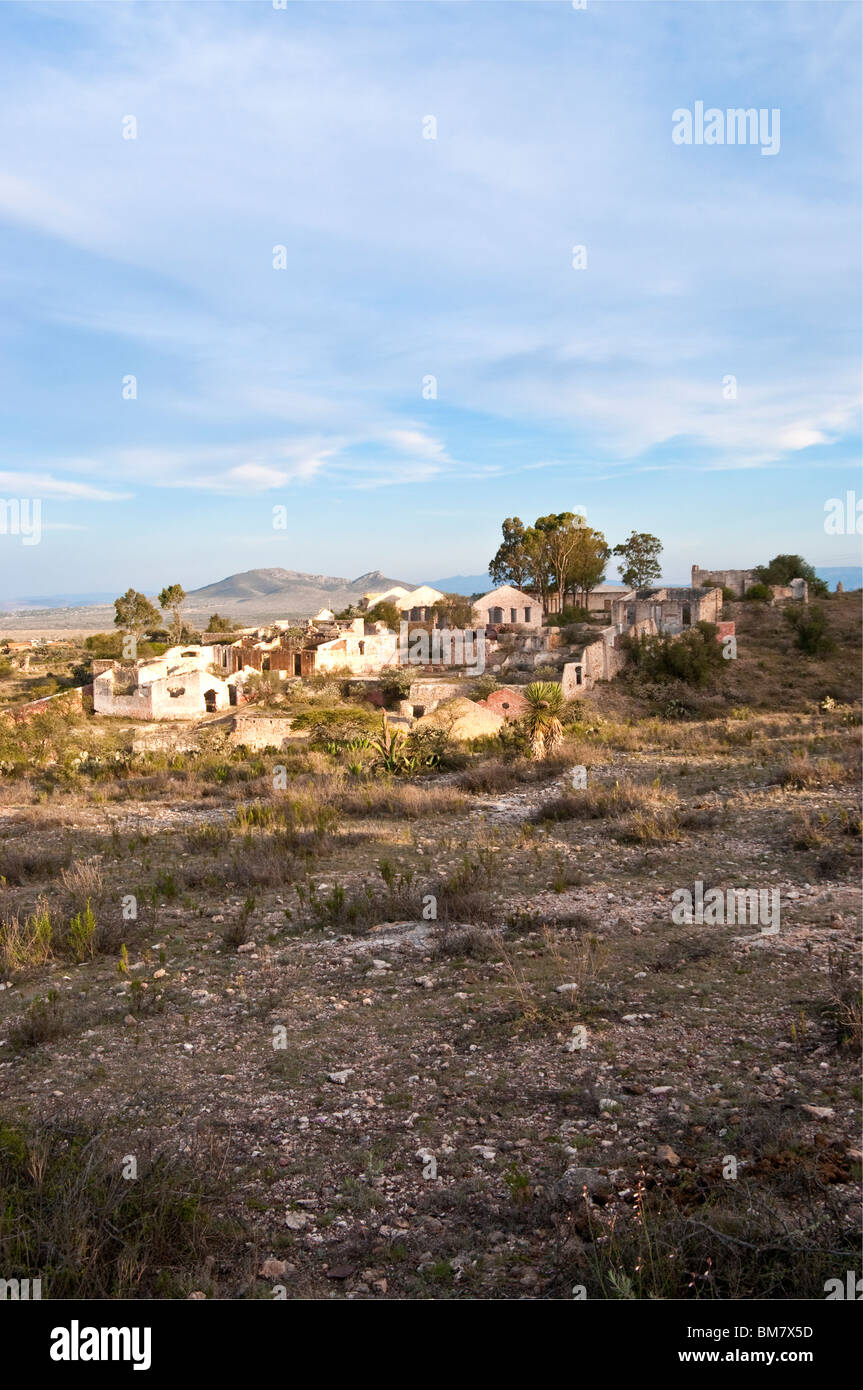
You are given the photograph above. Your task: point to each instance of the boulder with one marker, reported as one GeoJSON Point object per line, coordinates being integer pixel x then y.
{"type": "Point", "coordinates": [462, 719]}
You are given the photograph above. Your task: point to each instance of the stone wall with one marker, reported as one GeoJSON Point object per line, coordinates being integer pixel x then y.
{"type": "Point", "coordinates": [428, 694]}
{"type": "Point", "coordinates": [738, 580]}
{"type": "Point", "coordinates": [259, 732]}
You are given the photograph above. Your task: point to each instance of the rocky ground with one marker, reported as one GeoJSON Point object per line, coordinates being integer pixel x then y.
{"type": "Point", "coordinates": [547, 1089]}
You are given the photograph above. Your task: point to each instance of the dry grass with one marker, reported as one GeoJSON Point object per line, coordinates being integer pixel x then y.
{"type": "Point", "coordinates": [599, 802]}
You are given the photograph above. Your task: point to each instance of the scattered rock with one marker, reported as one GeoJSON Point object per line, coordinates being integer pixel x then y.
{"type": "Point", "coordinates": [576, 1181]}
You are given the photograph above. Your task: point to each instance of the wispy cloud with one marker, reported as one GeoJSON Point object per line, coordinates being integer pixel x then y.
{"type": "Point", "coordinates": [410, 258]}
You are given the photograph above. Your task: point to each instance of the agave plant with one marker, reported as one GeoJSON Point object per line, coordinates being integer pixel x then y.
{"type": "Point", "coordinates": [542, 720]}
{"type": "Point", "coordinates": [388, 748]}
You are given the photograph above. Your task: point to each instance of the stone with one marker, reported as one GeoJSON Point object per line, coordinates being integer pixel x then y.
{"type": "Point", "coordinates": [340, 1077]}
{"type": "Point", "coordinates": [272, 1269]}
{"type": "Point", "coordinates": [576, 1181]}
{"type": "Point", "coordinates": [666, 1154]}
{"type": "Point", "coordinates": [296, 1221]}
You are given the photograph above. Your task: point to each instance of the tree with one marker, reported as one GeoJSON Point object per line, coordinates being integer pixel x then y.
{"type": "Point", "coordinates": [783, 568]}
{"type": "Point", "coordinates": [559, 552]}
{"type": "Point", "coordinates": [587, 562]}
{"type": "Point", "coordinates": [216, 623]}
{"type": "Point", "coordinates": [385, 612]}
{"type": "Point", "coordinates": [542, 720]}
{"type": "Point", "coordinates": [135, 614]}
{"type": "Point", "coordinates": [561, 536]}
{"type": "Point", "coordinates": [454, 611]}
{"type": "Point", "coordinates": [171, 600]}
{"type": "Point", "coordinates": [640, 559]}
{"type": "Point", "coordinates": [512, 562]}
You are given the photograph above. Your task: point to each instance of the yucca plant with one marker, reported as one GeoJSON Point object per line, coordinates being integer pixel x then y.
{"type": "Point", "coordinates": [542, 721]}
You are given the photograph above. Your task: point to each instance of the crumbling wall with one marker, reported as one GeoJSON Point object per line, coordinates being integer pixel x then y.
{"type": "Point", "coordinates": [259, 732]}
{"type": "Point", "coordinates": [737, 580]}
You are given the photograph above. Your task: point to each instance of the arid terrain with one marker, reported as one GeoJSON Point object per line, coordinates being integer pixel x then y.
{"type": "Point", "coordinates": [432, 1032]}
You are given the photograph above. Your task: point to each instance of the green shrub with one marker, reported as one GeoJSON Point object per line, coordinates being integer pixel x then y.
{"type": "Point", "coordinates": [811, 634]}
{"type": "Point", "coordinates": [693, 657]}
{"type": "Point", "coordinates": [82, 934]}
{"type": "Point", "coordinates": [26, 944]}
{"type": "Point", "coordinates": [758, 593]}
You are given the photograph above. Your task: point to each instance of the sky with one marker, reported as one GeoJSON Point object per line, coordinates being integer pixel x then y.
{"type": "Point", "coordinates": [429, 360]}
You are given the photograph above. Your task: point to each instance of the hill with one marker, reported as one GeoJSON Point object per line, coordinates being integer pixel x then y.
{"type": "Point", "coordinates": [281, 593]}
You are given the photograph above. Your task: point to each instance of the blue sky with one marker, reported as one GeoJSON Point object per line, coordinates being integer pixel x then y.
{"type": "Point", "coordinates": [408, 257]}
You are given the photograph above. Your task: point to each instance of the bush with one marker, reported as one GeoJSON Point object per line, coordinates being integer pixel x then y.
{"type": "Point", "coordinates": [758, 593]}
{"type": "Point", "coordinates": [568, 616]}
{"type": "Point", "coordinates": [73, 1219]}
{"type": "Point", "coordinates": [483, 687]}
{"type": "Point", "coordinates": [693, 658]}
{"type": "Point", "coordinates": [395, 683]}
{"type": "Point", "coordinates": [810, 629]}
{"type": "Point", "coordinates": [26, 944]}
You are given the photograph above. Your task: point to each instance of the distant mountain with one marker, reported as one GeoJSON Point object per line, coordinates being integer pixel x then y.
{"type": "Point", "coordinates": [255, 596]}
{"type": "Point", "coordinates": [850, 576]}
{"type": "Point", "coordinates": [280, 593]}
{"type": "Point", "coordinates": [462, 584]}
{"type": "Point", "coordinates": [30, 601]}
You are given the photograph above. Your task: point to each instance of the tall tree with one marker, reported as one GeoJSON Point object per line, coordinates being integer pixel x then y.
{"type": "Point", "coordinates": [135, 614]}
{"type": "Point", "coordinates": [559, 531]}
{"type": "Point", "coordinates": [512, 562]}
{"type": "Point", "coordinates": [587, 561]}
{"type": "Point", "coordinates": [640, 559]}
{"type": "Point", "coordinates": [171, 600]}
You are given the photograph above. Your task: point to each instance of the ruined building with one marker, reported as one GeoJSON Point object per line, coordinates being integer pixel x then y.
{"type": "Point", "coordinates": [738, 581]}
{"type": "Point", "coordinates": [177, 685]}
{"type": "Point", "coordinates": [641, 612]}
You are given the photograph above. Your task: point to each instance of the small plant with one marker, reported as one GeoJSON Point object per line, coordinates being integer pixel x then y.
{"type": "Point", "coordinates": [518, 1184]}
{"type": "Point", "coordinates": [236, 933]}
{"type": "Point", "coordinates": [46, 1020]}
{"type": "Point", "coordinates": [26, 944]}
{"type": "Point", "coordinates": [82, 934]}
{"type": "Point", "coordinates": [389, 749]}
